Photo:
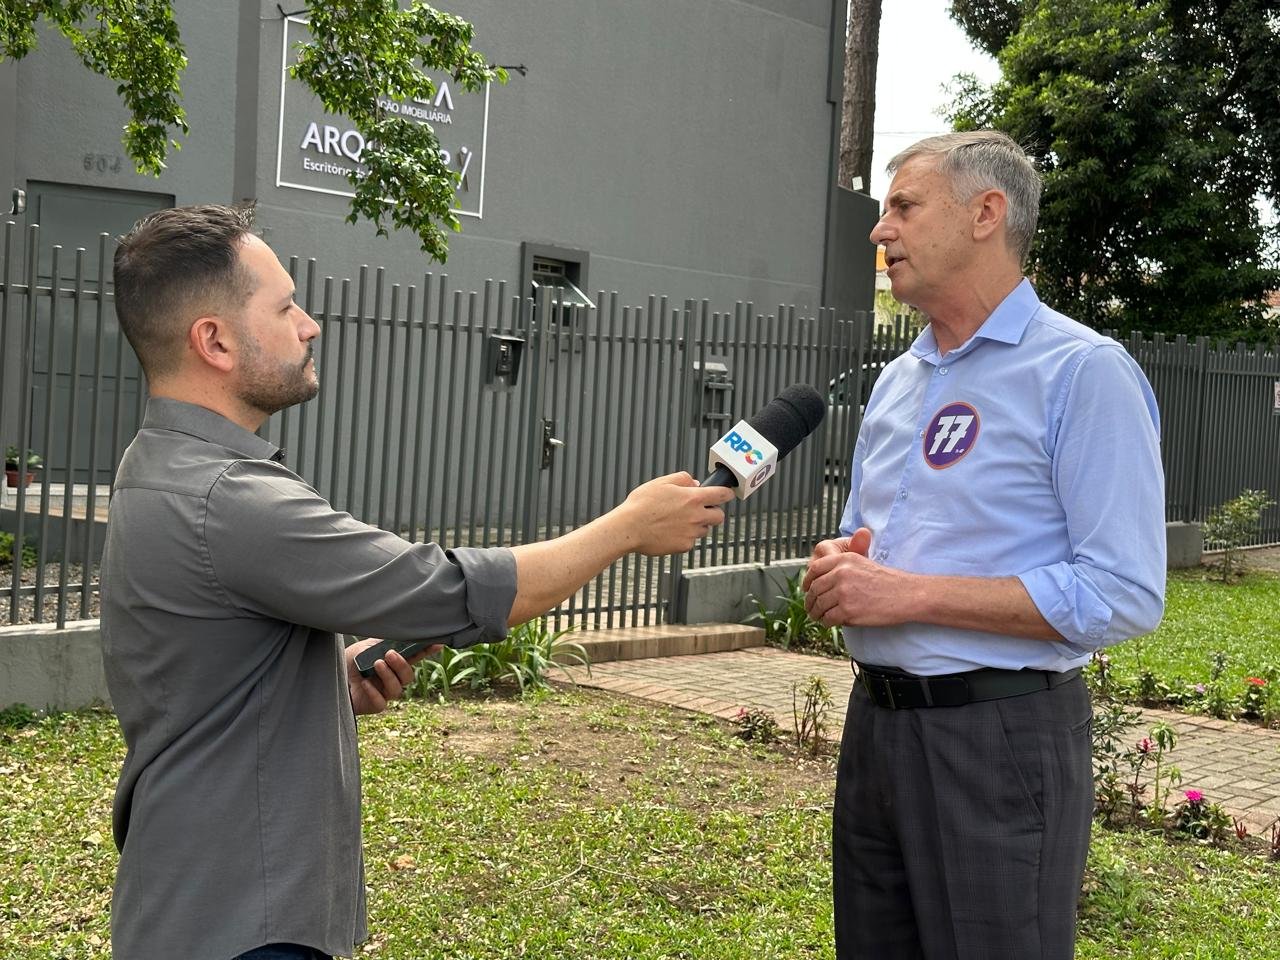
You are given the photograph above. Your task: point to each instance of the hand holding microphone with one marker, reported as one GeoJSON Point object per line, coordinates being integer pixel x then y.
{"type": "Point", "coordinates": [666, 515]}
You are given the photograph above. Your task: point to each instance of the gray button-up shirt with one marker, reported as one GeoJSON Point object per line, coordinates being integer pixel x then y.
{"type": "Point", "coordinates": [225, 579]}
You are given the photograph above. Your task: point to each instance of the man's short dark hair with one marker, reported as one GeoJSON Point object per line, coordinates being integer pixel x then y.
{"type": "Point", "coordinates": [174, 266]}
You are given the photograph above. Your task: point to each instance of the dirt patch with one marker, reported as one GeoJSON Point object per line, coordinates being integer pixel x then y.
{"type": "Point", "coordinates": [612, 746]}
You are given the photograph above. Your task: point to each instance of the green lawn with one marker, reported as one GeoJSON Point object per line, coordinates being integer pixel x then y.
{"type": "Point", "coordinates": [1203, 617]}
{"type": "Point", "coordinates": [580, 826]}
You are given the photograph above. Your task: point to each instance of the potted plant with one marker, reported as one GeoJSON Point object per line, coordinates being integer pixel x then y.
{"type": "Point", "coordinates": [13, 469]}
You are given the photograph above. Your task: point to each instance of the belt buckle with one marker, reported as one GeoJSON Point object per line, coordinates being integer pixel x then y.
{"type": "Point", "coordinates": [886, 699]}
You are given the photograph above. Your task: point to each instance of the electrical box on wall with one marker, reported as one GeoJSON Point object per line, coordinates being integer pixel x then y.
{"type": "Point", "coordinates": [502, 359]}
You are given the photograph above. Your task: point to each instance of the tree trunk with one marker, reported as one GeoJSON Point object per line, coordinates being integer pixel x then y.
{"type": "Point", "coordinates": [858, 111]}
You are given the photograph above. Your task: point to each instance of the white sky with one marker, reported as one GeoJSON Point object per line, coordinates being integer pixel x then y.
{"type": "Point", "coordinates": [921, 49]}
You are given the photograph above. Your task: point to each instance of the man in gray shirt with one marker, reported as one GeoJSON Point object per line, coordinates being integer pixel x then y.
{"type": "Point", "coordinates": [226, 581]}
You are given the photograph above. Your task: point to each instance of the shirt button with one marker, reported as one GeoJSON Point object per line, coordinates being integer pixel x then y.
{"type": "Point", "coordinates": [920, 435]}
{"type": "Point", "coordinates": [902, 495]}
{"type": "Point", "coordinates": [942, 370]}
{"type": "Point", "coordinates": [882, 555]}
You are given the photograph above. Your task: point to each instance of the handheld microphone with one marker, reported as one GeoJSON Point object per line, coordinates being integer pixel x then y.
{"type": "Point", "coordinates": [746, 456]}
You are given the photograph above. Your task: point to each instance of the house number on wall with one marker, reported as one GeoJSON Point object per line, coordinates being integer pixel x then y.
{"type": "Point", "coordinates": [102, 162]}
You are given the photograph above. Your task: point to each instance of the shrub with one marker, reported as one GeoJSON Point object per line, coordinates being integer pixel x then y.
{"type": "Point", "coordinates": [756, 724]}
{"type": "Point", "coordinates": [811, 719]}
{"type": "Point", "coordinates": [1232, 523]}
{"type": "Point", "coordinates": [30, 555]}
{"type": "Point", "coordinates": [528, 655]}
{"type": "Point", "coordinates": [789, 625]}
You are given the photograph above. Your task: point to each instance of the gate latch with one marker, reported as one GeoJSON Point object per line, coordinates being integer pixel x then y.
{"type": "Point", "coordinates": [549, 443]}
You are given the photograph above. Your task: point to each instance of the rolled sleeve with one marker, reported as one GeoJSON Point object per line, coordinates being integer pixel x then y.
{"type": "Point", "coordinates": [1109, 480]}
{"type": "Point", "coordinates": [1070, 604]}
{"type": "Point", "coordinates": [490, 575]}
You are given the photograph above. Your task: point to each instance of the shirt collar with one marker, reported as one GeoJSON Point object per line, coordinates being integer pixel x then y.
{"type": "Point", "coordinates": [164, 413]}
{"type": "Point", "coordinates": [1007, 323]}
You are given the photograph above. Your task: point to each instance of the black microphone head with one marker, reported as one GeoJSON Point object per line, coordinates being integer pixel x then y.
{"type": "Point", "coordinates": [790, 417]}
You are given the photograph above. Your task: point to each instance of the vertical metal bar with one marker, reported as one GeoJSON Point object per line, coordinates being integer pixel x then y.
{"type": "Point", "coordinates": [533, 445]}
{"type": "Point", "coordinates": [335, 475]}
{"type": "Point", "coordinates": [25, 414]}
{"type": "Point", "coordinates": [714, 541]}
{"type": "Point", "coordinates": [371, 426]}
{"type": "Point", "coordinates": [590, 432]}
{"type": "Point", "coordinates": [511, 447]}
{"type": "Point", "coordinates": [556, 413]}
{"type": "Point", "coordinates": [89, 548]}
{"type": "Point", "coordinates": [630, 560]}
{"type": "Point", "coordinates": [68, 483]}
{"type": "Point", "coordinates": [648, 456]}
{"type": "Point", "coordinates": [787, 493]}
{"type": "Point", "coordinates": [117, 407]}
{"type": "Point", "coordinates": [323, 449]}
{"type": "Point", "coordinates": [499, 409]}
{"type": "Point", "coordinates": [463, 383]}
{"type": "Point", "coordinates": [702, 321]}
{"type": "Point", "coordinates": [483, 425]}
{"type": "Point", "coordinates": [772, 491]}
{"type": "Point", "coordinates": [684, 374]}
{"type": "Point", "coordinates": [666, 374]}
{"type": "Point", "coordinates": [283, 421]}
{"type": "Point", "coordinates": [749, 530]}
{"type": "Point", "coordinates": [388, 408]}
{"type": "Point", "coordinates": [303, 409]}
{"type": "Point", "coordinates": [451, 425]}
{"type": "Point", "coordinates": [46, 442]}
{"type": "Point", "coordinates": [610, 473]}
{"type": "Point", "coordinates": [734, 518]}
{"type": "Point", "coordinates": [1202, 414]}
{"type": "Point", "coordinates": [357, 374]}
{"type": "Point", "coordinates": [400, 521]}
{"type": "Point", "coordinates": [571, 474]}
{"type": "Point", "coordinates": [6, 298]}
{"type": "Point", "coordinates": [420, 411]}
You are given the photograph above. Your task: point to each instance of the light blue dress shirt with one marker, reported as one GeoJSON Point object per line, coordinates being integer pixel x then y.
{"type": "Point", "coordinates": [1031, 450]}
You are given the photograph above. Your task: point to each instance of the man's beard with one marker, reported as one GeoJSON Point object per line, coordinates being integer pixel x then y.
{"type": "Point", "coordinates": [272, 387]}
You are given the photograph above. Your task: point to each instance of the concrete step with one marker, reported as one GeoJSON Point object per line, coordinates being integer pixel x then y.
{"type": "Point", "coordinates": [667, 640]}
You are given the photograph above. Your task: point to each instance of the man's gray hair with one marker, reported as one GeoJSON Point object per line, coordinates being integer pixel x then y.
{"type": "Point", "coordinates": [980, 160]}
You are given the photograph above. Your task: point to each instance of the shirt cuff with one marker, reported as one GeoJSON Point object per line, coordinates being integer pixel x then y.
{"type": "Point", "coordinates": [1070, 604]}
{"type": "Point", "coordinates": [490, 576]}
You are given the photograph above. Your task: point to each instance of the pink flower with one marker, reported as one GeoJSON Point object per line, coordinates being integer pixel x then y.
{"type": "Point", "coordinates": [1256, 681]}
{"type": "Point", "coordinates": [1193, 796]}
{"type": "Point", "coordinates": [1144, 745]}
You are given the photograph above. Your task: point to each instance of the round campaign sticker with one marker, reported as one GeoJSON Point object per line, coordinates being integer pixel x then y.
{"type": "Point", "coordinates": [950, 435]}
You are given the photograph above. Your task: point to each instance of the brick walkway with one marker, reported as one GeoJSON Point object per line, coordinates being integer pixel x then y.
{"type": "Point", "coordinates": [1234, 764]}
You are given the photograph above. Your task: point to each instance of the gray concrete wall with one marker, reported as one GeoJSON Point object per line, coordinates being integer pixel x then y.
{"type": "Point", "coordinates": [686, 147]}
{"type": "Point", "coordinates": [50, 669]}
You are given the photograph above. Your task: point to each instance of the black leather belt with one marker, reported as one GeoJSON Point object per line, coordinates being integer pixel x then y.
{"type": "Point", "coordinates": [895, 690]}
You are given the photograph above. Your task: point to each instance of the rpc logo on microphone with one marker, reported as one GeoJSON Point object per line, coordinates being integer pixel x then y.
{"type": "Point", "coordinates": [740, 444]}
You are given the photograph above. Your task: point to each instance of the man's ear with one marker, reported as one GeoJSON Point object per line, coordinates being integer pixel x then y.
{"type": "Point", "coordinates": [989, 209]}
{"type": "Point", "coordinates": [212, 339]}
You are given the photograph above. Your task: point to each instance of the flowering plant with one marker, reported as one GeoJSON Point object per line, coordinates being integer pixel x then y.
{"type": "Point", "coordinates": [1201, 819]}
{"type": "Point", "coordinates": [1256, 698]}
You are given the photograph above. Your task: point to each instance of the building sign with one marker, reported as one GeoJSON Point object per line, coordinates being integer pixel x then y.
{"type": "Point", "coordinates": [316, 150]}
{"type": "Point", "coordinates": [1275, 406]}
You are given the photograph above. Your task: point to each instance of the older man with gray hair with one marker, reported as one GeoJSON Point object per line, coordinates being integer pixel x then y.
{"type": "Point", "coordinates": [1005, 520]}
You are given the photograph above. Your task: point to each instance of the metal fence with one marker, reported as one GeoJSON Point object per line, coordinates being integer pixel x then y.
{"type": "Point", "coordinates": [485, 418]}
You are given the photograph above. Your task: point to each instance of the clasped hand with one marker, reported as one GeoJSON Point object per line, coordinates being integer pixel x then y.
{"type": "Point", "coordinates": [844, 588]}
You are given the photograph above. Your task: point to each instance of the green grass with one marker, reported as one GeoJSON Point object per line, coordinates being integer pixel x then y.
{"type": "Point", "coordinates": [1202, 617]}
{"type": "Point", "coordinates": [583, 827]}
{"type": "Point", "coordinates": [1152, 899]}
